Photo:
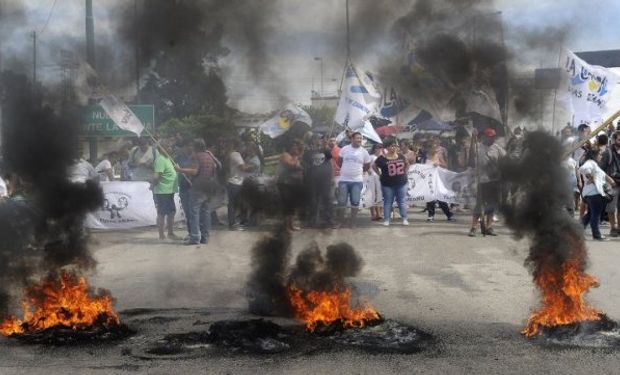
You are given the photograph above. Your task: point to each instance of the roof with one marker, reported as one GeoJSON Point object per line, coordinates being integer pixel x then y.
{"type": "Point", "coordinates": [607, 59]}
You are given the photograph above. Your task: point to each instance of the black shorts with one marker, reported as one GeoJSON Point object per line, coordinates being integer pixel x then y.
{"type": "Point", "coordinates": [164, 203]}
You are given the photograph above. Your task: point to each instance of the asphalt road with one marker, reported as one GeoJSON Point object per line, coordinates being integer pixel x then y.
{"type": "Point", "coordinates": [473, 294]}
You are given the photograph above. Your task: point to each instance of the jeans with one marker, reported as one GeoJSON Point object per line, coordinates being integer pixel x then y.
{"type": "Point", "coordinates": [389, 194]}
{"type": "Point", "coordinates": [430, 206]}
{"type": "Point", "coordinates": [233, 191]}
{"type": "Point", "coordinates": [185, 203]}
{"type": "Point", "coordinates": [596, 205]}
{"type": "Point", "coordinates": [200, 217]}
{"type": "Point", "coordinates": [351, 190]}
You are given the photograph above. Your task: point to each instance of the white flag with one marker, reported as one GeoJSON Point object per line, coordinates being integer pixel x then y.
{"type": "Point", "coordinates": [284, 119]}
{"type": "Point", "coordinates": [122, 116]}
{"type": "Point", "coordinates": [356, 104]}
{"type": "Point", "coordinates": [586, 88]}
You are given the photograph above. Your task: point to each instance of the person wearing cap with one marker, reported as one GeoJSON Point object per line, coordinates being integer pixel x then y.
{"type": "Point", "coordinates": [486, 160]}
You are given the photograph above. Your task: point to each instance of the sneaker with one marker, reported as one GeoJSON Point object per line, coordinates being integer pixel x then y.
{"type": "Point", "coordinates": [495, 219]}
{"type": "Point", "coordinates": [191, 243]}
{"type": "Point", "coordinates": [430, 219]}
{"type": "Point", "coordinates": [601, 238]}
{"type": "Point", "coordinates": [405, 222]}
{"type": "Point", "coordinates": [614, 233]}
{"type": "Point", "coordinates": [452, 218]}
{"type": "Point", "coordinates": [490, 232]}
{"type": "Point", "coordinates": [472, 232]}
{"type": "Point", "coordinates": [386, 223]}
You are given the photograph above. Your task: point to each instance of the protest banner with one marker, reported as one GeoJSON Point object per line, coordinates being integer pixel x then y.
{"type": "Point", "coordinates": [127, 204]}
{"type": "Point", "coordinates": [428, 183]}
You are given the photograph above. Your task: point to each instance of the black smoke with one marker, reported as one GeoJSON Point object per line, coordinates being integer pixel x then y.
{"type": "Point", "coordinates": [267, 282]}
{"type": "Point", "coordinates": [43, 223]}
{"type": "Point", "coordinates": [313, 270]}
{"type": "Point", "coordinates": [538, 210]}
{"type": "Point", "coordinates": [318, 272]}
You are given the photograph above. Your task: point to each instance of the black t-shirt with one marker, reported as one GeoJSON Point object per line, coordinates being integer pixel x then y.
{"type": "Point", "coordinates": [393, 172]}
{"type": "Point", "coordinates": [318, 166]}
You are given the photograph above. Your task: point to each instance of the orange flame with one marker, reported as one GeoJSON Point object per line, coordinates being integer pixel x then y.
{"type": "Point", "coordinates": [562, 290]}
{"type": "Point", "coordinates": [318, 307]}
{"type": "Point", "coordinates": [65, 302]}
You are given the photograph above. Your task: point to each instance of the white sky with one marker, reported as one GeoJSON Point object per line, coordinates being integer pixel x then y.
{"type": "Point", "coordinates": [313, 28]}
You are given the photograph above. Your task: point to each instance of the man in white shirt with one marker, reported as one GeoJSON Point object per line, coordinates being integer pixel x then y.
{"type": "Point", "coordinates": [105, 168]}
{"type": "Point", "coordinates": [353, 161]}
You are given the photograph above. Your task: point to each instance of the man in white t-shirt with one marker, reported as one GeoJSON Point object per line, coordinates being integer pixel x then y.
{"type": "Point", "coordinates": [353, 161]}
{"type": "Point", "coordinates": [105, 168]}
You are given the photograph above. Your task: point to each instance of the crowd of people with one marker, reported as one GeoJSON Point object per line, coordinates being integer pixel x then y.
{"type": "Point", "coordinates": [320, 179]}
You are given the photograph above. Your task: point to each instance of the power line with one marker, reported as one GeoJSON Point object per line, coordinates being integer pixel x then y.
{"type": "Point", "coordinates": [49, 16]}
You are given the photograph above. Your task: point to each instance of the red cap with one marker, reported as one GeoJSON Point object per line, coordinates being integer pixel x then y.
{"type": "Point", "coordinates": [490, 132]}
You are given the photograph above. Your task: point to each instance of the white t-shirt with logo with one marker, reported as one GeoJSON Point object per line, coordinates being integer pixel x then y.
{"type": "Point", "coordinates": [353, 160]}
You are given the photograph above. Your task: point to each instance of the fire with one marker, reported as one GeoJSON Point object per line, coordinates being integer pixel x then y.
{"type": "Point", "coordinates": [321, 307]}
{"type": "Point", "coordinates": [61, 302]}
{"type": "Point", "coordinates": [563, 291]}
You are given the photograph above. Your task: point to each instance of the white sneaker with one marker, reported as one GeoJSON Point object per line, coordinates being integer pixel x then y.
{"type": "Point", "coordinates": [405, 222]}
{"type": "Point", "coordinates": [386, 223]}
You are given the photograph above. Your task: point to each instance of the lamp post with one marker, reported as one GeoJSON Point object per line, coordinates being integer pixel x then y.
{"type": "Point", "coordinates": [321, 60]}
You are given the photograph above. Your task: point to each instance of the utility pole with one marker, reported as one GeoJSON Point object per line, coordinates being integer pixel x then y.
{"type": "Point", "coordinates": [321, 60]}
{"type": "Point", "coordinates": [34, 58]}
{"type": "Point", "coordinates": [348, 33]}
{"type": "Point", "coordinates": [137, 49]}
{"type": "Point", "coordinates": [90, 35]}
{"type": "Point", "coordinates": [90, 58]}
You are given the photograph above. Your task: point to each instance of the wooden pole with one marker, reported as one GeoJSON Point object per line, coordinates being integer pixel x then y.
{"type": "Point", "coordinates": [605, 124]}
{"type": "Point", "coordinates": [163, 151]}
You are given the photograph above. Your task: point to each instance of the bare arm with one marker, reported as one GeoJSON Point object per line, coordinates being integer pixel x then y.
{"type": "Point", "coordinates": [289, 161]}
{"type": "Point", "coordinates": [376, 169]}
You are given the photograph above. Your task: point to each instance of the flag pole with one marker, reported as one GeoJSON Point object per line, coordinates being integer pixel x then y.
{"type": "Point", "coordinates": [605, 124]}
{"type": "Point", "coordinates": [346, 63]}
{"type": "Point", "coordinates": [163, 151]}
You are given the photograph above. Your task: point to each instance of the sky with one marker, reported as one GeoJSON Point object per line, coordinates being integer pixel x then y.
{"type": "Point", "coordinates": [306, 29]}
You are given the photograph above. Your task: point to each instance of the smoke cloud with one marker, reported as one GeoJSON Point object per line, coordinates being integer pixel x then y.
{"type": "Point", "coordinates": [44, 230]}
{"type": "Point", "coordinates": [272, 272]}
{"type": "Point", "coordinates": [539, 210]}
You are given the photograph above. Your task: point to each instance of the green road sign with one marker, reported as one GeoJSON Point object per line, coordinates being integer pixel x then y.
{"type": "Point", "coordinates": [98, 123]}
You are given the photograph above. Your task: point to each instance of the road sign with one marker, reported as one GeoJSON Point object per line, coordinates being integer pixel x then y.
{"type": "Point", "coordinates": [97, 123]}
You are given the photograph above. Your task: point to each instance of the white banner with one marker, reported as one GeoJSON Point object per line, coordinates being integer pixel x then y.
{"type": "Point", "coordinates": [428, 183]}
{"type": "Point", "coordinates": [127, 204]}
{"type": "Point", "coordinates": [587, 88]}
{"type": "Point", "coordinates": [122, 116]}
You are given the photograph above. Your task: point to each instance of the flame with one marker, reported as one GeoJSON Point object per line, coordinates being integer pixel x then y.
{"type": "Point", "coordinates": [64, 302]}
{"type": "Point", "coordinates": [320, 307]}
{"type": "Point", "coordinates": [562, 290]}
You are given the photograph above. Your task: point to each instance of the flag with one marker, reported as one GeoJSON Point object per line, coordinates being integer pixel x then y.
{"type": "Point", "coordinates": [122, 116]}
{"type": "Point", "coordinates": [284, 119]}
{"type": "Point", "coordinates": [356, 103]}
{"type": "Point", "coordinates": [483, 110]}
{"type": "Point", "coordinates": [585, 88]}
